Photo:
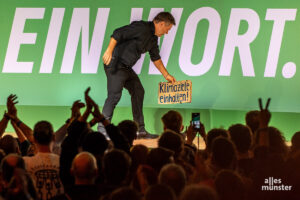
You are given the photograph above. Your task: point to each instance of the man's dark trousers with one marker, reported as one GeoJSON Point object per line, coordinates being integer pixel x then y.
{"type": "Point", "coordinates": [120, 76]}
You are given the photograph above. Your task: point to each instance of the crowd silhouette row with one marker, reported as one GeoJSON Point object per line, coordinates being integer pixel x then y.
{"type": "Point", "coordinates": [244, 162]}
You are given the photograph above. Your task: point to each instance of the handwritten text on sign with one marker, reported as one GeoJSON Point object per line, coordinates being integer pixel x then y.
{"type": "Point", "coordinates": [179, 92]}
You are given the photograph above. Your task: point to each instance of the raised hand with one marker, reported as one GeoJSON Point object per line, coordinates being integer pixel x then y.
{"type": "Point", "coordinates": [191, 133]}
{"type": "Point", "coordinates": [88, 99]}
{"type": "Point", "coordinates": [98, 116]}
{"type": "Point", "coordinates": [202, 132]}
{"type": "Point", "coordinates": [264, 115]}
{"type": "Point", "coordinates": [12, 113]}
{"type": "Point", "coordinates": [11, 108]}
{"type": "Point", "coordinates": [77, 105]}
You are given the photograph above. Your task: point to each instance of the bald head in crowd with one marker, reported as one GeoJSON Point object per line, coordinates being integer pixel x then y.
{"type": "Point", "coordinates": [9, 163]}
{"type": "Point", "coordinates": [84, 168]}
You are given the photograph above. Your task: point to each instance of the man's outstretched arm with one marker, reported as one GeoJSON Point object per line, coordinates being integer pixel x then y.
{"type": "Point", "coordinates": [160, 66]}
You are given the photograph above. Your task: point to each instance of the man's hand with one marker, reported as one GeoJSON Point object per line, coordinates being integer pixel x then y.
{"type": "Point", "coordinates": [77, 105]}
{"type": "Point", "coordinates": [10, 103]}
{"type": "Point", "coordinates": [98, 116]}
{"type": "Point", "coordinates": [170, 79]}
{"type": "Point", "coordinates": [202, 132]}
{"type": "Point", "coordinates": [107, 57]}
{"type": "Point", "coordinates": [264, 114]}
{"type": "Point", "coordinates": [190, 134]}
{"type": "Point", "coordinates": [88, 99]}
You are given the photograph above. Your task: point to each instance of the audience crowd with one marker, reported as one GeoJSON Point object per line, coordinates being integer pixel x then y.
{"type": "Point", "coordinates": [244, 162]}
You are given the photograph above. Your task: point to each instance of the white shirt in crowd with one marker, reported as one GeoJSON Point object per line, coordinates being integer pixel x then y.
{"type": "Point", "coordinates": [44, 170]}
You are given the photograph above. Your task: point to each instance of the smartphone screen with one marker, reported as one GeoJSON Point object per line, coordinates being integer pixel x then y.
{"type": "Point", "coordinates": [196, 120]}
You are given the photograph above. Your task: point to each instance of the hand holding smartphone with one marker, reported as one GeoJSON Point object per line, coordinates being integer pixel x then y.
{"type": "Point", "coordinates": [196, 121]}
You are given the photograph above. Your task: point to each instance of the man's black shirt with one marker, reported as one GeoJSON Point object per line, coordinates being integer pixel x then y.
{"type": "Point", "coordinates": [133, 40]}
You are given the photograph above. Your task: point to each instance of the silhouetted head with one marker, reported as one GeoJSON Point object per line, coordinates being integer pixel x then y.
{"type": "Point", "coordinates": [95, 143]}
{"type": "Point", "coordinates": [252, 120]}
{"type": "Point", "coordinates": [129, 129]}
{"type": "Point", "coordinates": [197, 192]}
{"type": "Point", "coordinates": [9, 145]}
{"type": "Point", "coordinates": [9, 164]}
{"type": "Point", "coordinates": [229, 185]}
{"type": "Point", "coordinates": [172, 141]}
{"type": "Point", "coordinates": [174, 176]}
{"type": "Point", "coordinates": [116, 164]}
{"type": "Point", "coordinates": [241, 136]}
{"type": "Point", "coordinates": [149, 175]}
{"type": "Point", "coordinates": [138, 155]}
{"type": "Point", "coordinates": [43, 133]}
{"type": "Point", "coordinates": [160, 192]}
{"type": "Point", "coordinates": [212, 134]}
{"type": "Point", "coordinates": [158, 157]}
{"type": "Point", "coordinates": [172, 120]}
{"type": "Point", "coordinates": [84, 168]}
{"type": "Point", "coordinates": [223, 153]}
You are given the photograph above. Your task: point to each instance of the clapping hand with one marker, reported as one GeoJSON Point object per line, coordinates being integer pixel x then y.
{"type": "Point", "coordinates": [77, 105]}
{"type": "Point", "coordinates": [93, 108]}
{"type": "Point", "coordinates": [11, 108]}
{"type": "Point", "coordinates": [88, 100]}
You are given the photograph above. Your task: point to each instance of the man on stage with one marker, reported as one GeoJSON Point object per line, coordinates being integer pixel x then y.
{"type": "Point", "coordinates": [126, 45]}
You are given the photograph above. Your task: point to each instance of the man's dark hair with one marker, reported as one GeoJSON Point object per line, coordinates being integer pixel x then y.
{"type": "Point", "coordinates": [172, 120]}
{"type": "Point", "coordinates": [252, 120]}
{"type": "Point", "coordinates": [212, 134]}
{"type": "Point", "coordinates": [164, 17]}
{"type": "Point", "coordinates": [112, 161]}
{"type": "Point", "coordinates": [43, 132]}
{"type": "Point", "coordinates": [138, 154]}
{"type": "Point", "coordinates": [158, 157]}
{"type": "Point", "coordinates": [174, 176]}
{"type": "Point", "coordinates": [229, 185]}
{"type": "Point", "coordinates": [241, 136]}
{"type": "Point", "coordinates": [9, 144]}
{"type": "Point", "coordinates": [95, 143]}
{"type": "Point", "coordinates": [9, 163]}
{"type": "Point", "coordinates": [129, 129]}
{"type": "Point", "coordinates": [172, 141]}
{"type": "Point", "coordinates": [195, 192]}
{"type": "Point", "coordinates": [223, 153]}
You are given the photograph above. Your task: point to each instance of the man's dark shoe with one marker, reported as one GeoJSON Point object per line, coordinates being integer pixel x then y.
{"type": "Point", "coordinates": [146, 135]}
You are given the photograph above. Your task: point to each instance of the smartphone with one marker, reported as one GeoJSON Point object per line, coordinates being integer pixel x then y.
{"type": "Point", "coordinates": [196, 120]}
